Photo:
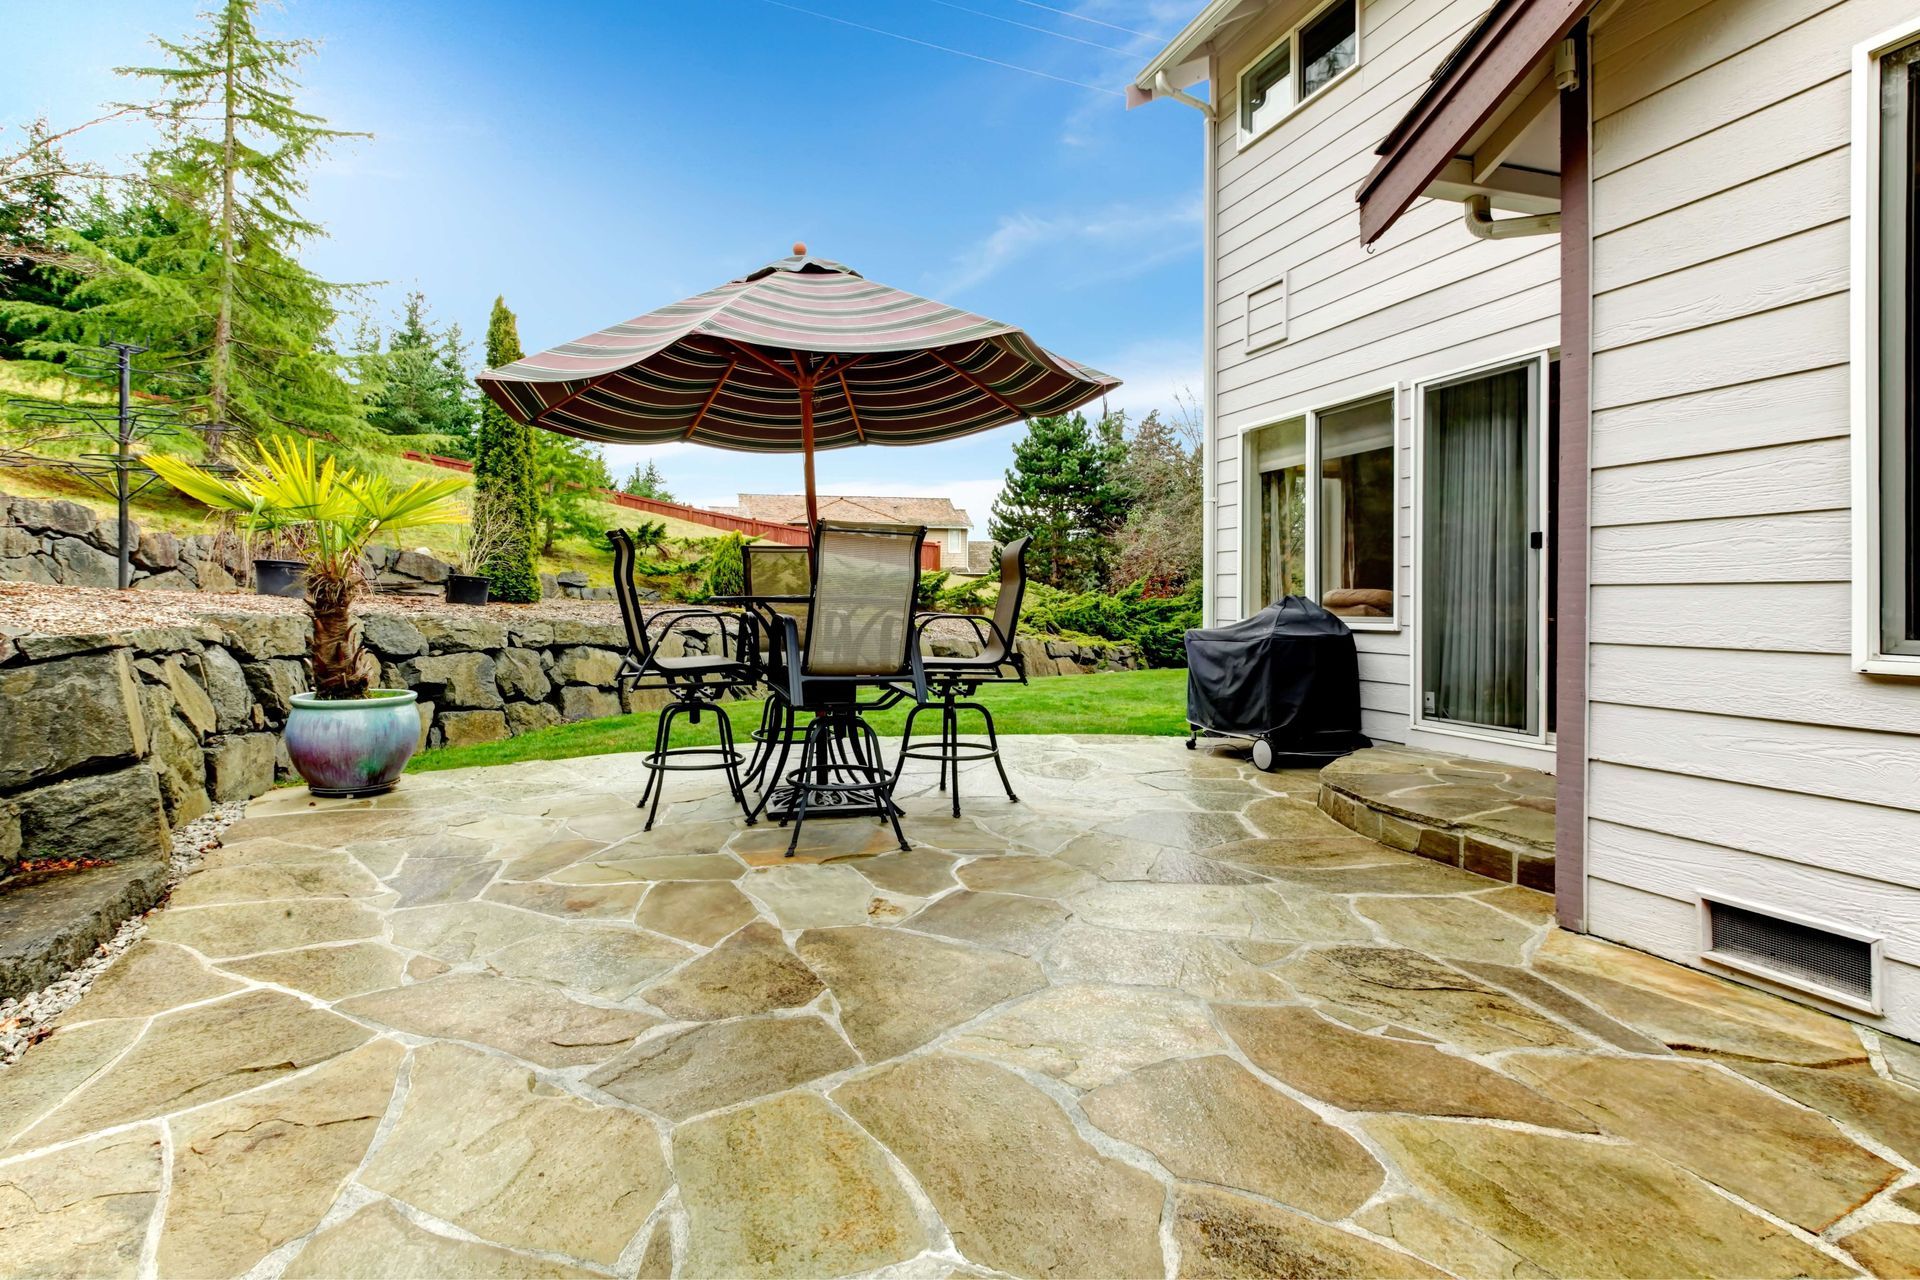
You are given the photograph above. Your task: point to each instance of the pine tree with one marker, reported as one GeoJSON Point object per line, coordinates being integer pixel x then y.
{"type": "Point", "coordinates": [567, 474]}
{"type": "Point", "coordinates": [503, 472]}
{"type": "Point", "coordinates": [647, 482]}
{"type": "Point", "coordinates": [1065, 489]}
{"type": "Point", "coordinates": [245, 172]}
{"type": "Point", "coordinates": [417, 388]}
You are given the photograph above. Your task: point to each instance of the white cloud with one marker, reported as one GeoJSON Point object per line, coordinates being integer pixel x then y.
{"type": "Point", "coordinates": [1123, 239]}
{"type": "Point", "coordinates": [1156, 375]}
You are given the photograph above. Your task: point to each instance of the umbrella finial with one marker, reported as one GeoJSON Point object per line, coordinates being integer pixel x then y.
{"type": "Point", "coordinates": [799, 249]}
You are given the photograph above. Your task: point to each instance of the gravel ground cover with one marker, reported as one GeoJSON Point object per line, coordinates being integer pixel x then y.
{"type": "Point", "coordinates": [26, 1019]}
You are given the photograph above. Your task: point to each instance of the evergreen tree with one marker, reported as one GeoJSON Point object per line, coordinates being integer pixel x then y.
{"type": "Point", "coordinates": [647, 482]}
{"type": "Point", "coordinates": [417, 389]}
{"type": "Point", "coordinates": [503, 472]}
{"type": "Point", "coordinates": [568, 473]}
{"type": "Point", "coordinates": [230, 182]}
{"type": "Point", "coordinates": [1158, 543]}
{"type": "Point", "coordinates": [34, 202]}
{"type": "Point", "coordinates": [1066, 489]}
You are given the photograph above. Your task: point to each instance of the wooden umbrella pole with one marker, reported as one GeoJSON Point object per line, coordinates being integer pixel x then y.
{"type": "Point", "coordinates": [806, 448]}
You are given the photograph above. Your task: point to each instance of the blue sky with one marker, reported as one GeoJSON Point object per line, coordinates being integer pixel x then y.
{"type": "Point", "coordinates": [592, 161]}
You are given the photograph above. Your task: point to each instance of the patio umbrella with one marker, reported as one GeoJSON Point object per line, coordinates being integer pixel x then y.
{"type": "Point", "coordinates": [803, 354]}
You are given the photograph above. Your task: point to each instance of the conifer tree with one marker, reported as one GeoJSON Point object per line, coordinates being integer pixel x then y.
{"type": "Point", "coordinates": [417, 388]}
{"type": "Point", "coordinates": [1065, 488]}
{"type": "Point", "coordinates": [503, 473]}
{"type": "Point", "coordinates": [240, 146]}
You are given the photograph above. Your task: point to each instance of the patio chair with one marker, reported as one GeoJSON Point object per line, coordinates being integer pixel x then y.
{"type": "Point", "coordinates": [777, 579]}
{"type": "Point", "coordinates": [952, 682]}
{"type": "Point", "coordinates": [694, 681]}
{"type": "Point", "coordinates": [858, 654]}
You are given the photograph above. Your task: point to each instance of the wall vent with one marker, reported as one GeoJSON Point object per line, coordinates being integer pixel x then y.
{"type": "Point", "coordinates": [1820, 959]}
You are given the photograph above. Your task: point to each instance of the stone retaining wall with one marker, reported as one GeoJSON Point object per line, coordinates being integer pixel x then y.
{"type": "Point", "coordinates": [62, 543]}
{"type": "Point", "coordinates": [105, 739]}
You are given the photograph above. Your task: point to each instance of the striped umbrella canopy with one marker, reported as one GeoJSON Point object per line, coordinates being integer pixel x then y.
{"type": "Point", "coordinates": [802, 354]}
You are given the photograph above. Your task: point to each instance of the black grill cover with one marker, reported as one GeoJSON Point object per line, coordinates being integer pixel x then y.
{"type": "Point", "coordinates": [1288, 674]}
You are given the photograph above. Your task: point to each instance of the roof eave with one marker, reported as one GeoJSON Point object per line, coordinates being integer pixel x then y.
{"type": "Point", "coordinates": [1184, 59]}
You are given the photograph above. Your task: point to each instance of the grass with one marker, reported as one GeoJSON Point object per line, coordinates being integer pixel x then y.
{"type": "Point", "coordinates": [1127, 702]}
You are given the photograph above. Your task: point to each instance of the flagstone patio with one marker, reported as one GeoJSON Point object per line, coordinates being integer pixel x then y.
{"type": "Point", "coordinates": [1163, 1017]}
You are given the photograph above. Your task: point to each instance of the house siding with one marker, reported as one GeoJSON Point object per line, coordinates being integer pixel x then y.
{"type": "Point", "coordinates": [1732, 746]}
{"type": "Point", "coordinates": [1358, 324]}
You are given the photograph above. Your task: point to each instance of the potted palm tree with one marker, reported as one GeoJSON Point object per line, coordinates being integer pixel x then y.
{"type": "Point", "coordinates": [343, 736]}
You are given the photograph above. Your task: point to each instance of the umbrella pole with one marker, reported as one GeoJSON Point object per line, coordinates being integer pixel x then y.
{"type": "Point", "coordinates": [806, 448]}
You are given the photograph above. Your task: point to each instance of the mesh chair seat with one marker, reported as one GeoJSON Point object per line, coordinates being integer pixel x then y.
{"type": "Point", "coordinates": [859, 634]}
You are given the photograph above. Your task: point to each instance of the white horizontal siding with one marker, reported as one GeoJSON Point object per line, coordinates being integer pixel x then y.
{"type": "Point", "coordinates": [1732, 747]}
{"type": "Point", "coordinates": [1358, 323]}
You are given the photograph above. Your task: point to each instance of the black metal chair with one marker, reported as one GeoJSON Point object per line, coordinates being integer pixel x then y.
{"type": "Point", "coordinates": [777, 580]}
{"type": "Point", "coordinates": [695, 681]}
{"type": "Point", "coordinates": [952, 682]}
{"type": "Point", "coordinates": [859, 654]}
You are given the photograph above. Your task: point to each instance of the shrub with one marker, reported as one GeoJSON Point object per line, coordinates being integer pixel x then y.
{"type": "Point", "coordinates": [1156, 627]}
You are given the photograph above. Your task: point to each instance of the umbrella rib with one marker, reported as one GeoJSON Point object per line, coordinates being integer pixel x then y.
{"type": "Point", "coordinates": [978, 385]}
{"type": "Point", "coordinates": [711, 397]}
{"type": "Point", "coordinates": [540, 418]}
{"type": "Point", "coordinates": [830, 370]}
{"type": "Point", "coordinates": [755, 355]}
{"type": "Point", "coordinates": [859, 432]}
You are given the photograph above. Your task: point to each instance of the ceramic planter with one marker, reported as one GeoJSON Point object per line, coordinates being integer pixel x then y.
{"type": "Point", "coordinates": [354, 747]}
{"type": "Point", "coordinates": [466, 588]}
{"type": "Point", "coordinates": [280, 578]}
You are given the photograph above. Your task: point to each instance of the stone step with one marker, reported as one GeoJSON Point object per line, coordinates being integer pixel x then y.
{"type": "Point", "coordinates": [1495, 820]}
{"type": "Point", "coordinates": [51, 921]}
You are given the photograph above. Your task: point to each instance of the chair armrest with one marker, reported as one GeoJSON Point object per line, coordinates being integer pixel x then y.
{"type": "Point", "coordinates": [735, 621]}
{"type": "Point", "coordinates": [984, 628]}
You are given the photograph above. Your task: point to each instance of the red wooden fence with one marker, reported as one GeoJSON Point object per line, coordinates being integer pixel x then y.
{"type": "Point", "coordinates": [791, 535]}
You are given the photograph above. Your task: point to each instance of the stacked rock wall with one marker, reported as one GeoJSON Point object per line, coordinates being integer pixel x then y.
{"type": "Point", "coordinates": [62, 543]}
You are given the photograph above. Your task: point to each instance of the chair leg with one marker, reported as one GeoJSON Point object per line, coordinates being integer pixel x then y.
{"type": "Point", "coordinates": [653, 774]}
{"type": "Point", "coordinates": [906, 740]}
{"type": "Point", "coordinates": [883, 792]}
{"type": "Point", "coordinates": [993, 744]}
{"type": "Point", "coordinates": [728, 760]}
{"type": "Point", "coordinates": [809, 749]}
{"type": "Point", "coordinates": [774, 768]}
{"type": "Point", "coordinates": [763, 740]}
{"type": "Point", "coordinates": [946, 735]}
{"type": "Point", "coordinates": [952, 748]}
{"type": "Point", "coordinates": [659, 774]}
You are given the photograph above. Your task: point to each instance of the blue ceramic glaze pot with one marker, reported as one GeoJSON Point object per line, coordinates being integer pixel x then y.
{"type": "Point", "coordinates": [356, 747]}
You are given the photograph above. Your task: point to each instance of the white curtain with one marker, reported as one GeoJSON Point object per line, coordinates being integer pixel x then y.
{"type": "Point", "coordinates": [1478, 517]}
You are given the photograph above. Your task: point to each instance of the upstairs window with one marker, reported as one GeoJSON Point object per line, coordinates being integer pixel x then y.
{"type": "Point", "coordinates": [1299, 65]}
{"type": "Point", "coordinates": [1887, 363]}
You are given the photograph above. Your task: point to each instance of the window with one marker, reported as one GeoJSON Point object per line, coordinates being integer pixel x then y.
{"type": "Point", "coordinates": [1333, 539]}
{"type": "Point", "coordinates": [1482, 492]}
{"type": "Point", "coordinates": [1887, 381]}
{"type": "Point", "coordinates": [1308, 59]}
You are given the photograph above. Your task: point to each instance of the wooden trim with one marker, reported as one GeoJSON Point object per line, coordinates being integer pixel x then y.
{"type": "Point", "coordinates": [712, 395]}
{"type": "Point", "coordinates": [859, 432]}
{"type": "Point", "coordinates": [1496, 63]}
{"type": "Point", "coordinates": [1572, 534]}
{"type": "Point", "coordinates": [978, 385]}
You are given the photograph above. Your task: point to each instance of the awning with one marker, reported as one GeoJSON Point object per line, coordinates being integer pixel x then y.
{"type": "Point", "coordinates": [1453, 143]}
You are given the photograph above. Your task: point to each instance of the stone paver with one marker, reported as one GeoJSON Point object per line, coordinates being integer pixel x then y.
{"type": "Point", "coordinates": [1162, 1017]}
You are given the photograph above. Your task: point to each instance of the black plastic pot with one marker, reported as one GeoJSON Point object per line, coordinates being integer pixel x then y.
{"type": "Point", "coordinates": [466, 588]}
{"type": "Point", "coordinates": [280, 577]}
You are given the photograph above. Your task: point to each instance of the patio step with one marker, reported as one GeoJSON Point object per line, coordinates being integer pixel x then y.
{"type": "Point", "coordinates": [1495, 820]}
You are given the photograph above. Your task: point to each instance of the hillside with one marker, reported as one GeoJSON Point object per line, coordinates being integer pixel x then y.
{"type": "Point", "coordinates": [160, 507]}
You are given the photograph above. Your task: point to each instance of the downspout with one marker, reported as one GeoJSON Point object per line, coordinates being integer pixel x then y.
{"type": "Point", "coordinates": [1210, 453]}
{"type": "Point", "coordinates": [1163, 88]}
{"type": "Point", "coordinates": [1484, 226]}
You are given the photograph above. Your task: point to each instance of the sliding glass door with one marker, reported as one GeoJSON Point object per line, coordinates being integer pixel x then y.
{"type": "Point", "coordinates": [1481, 550]}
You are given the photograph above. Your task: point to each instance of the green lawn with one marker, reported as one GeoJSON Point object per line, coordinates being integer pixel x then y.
{"type": "Point", "coordinates": [1135, 702]}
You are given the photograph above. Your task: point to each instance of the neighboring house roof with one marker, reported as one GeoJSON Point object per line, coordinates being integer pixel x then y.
{"type": "Point", "coordinates": [1483, 74]}
{"type": "Point", "coordinates": [791, 508]}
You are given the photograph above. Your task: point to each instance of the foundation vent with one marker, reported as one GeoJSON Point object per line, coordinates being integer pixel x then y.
{"type": "Point", "coordinates": [1804, 955]}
